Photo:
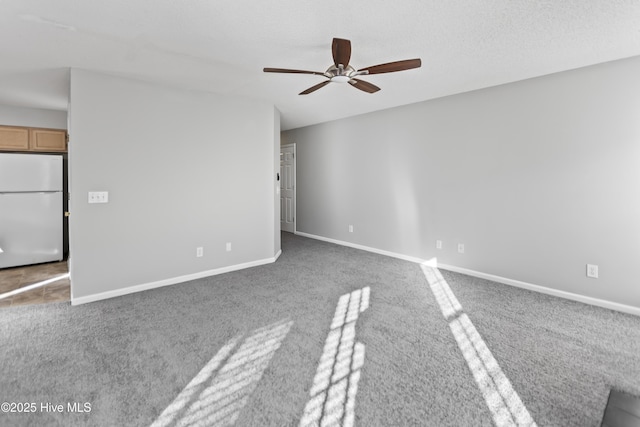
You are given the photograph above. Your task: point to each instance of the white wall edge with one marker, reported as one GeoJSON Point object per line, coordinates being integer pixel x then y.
{"type": "Point", "coordinates": [505, 281]}
{"type": "Point", "coordinates": [275, 258]}
{"type": "Point", "coordinates": [171, 281]}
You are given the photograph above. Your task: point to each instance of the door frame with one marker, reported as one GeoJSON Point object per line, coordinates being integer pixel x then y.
{"type": "Point", "coordinates": [295, 187]}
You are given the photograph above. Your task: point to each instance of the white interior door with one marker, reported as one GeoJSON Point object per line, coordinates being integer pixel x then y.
{"type": "Point", "coordinates": [288, 188]}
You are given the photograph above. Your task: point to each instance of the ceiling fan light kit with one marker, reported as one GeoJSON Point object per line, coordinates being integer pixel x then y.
{"type": "Point", "coordinates": [340, 79]}
{"type": "Point", "coordinates": [342, 72]}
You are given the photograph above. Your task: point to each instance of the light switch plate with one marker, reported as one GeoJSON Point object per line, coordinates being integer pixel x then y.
{"type": "Point", "coordinates": [98, 197]}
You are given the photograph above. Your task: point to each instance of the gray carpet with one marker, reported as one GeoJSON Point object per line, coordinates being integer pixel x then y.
{"type": "Point", "coordinates": [132, 358]}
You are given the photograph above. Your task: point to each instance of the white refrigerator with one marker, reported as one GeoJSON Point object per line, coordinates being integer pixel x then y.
{"type": "Point", "coordinates": [31, 212]}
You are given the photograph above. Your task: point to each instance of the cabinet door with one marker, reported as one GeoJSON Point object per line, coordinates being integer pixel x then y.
{"type": "Point", "coordinates": [14, 138]}
{"type": "Point", "coordinates": [47, 140]}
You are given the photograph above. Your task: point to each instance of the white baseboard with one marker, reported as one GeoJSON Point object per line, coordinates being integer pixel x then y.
{"type": "Point", "coordinates": [364, 248]}
{"type": "Point", "coordinates": [506, 281]}
{"type": "Point", "coordinates": [544, 290]}
{"type": "Point", "coordinates": [170, 281]}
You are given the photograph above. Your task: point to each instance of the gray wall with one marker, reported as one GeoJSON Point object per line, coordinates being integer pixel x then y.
{"type": "Point", "coordinates": [536, 178]}
{"type": "Point", "coordinates": [183, 169]}
{"type": "Point", "coordinates": [32, 117]}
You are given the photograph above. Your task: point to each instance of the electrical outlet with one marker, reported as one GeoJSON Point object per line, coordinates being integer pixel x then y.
{"type": "Point", "coordinates": [351, 229]}
{"type": "Point", "coordinates": [438, 244]}
{"type": "Point", "coordinates": [199, 251]}
{"type": "Point", "coordinates": [228, 246]}
{"type": "Point", "coordinates": [460, 248]}
{"type": "Point", "coordinates": [592, 271]}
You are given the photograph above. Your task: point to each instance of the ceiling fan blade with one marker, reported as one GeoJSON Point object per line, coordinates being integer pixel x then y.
{"type": "Point", "coordinates": [364, 86]}
{"type": "Point", "coordinates": [341, 50]}
{"type": "Point", "coordinates": [314, 88]}
{"type": "Point", "coordinates": [391, 67]}
{"type": "Point", "coordinates": [286, 70]}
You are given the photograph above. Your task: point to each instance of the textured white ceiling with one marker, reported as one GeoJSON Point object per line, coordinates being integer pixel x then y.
{"type": "Point", "coordinates": [222, 45]}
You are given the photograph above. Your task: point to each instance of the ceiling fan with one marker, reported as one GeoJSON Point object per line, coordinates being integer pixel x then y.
{"type": "Point", "coordinates": [342, 72]}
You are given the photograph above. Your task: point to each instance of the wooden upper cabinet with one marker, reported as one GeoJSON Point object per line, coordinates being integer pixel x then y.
{"type": "Point", "coordinates": [47, 140]}
{"type": "Point", "coordinates": [14, 138]}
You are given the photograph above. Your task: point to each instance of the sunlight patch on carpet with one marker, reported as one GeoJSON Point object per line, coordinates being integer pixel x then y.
{"type": "Point", "coordinates": [333, 393]}
{"type": "Point", "coordinates": [504, 403]}
{"type": "Point", "coordinates": [217, 394]}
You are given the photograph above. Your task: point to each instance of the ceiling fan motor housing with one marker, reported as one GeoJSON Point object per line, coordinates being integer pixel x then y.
{"type": "Point", "coordinates": [341, 74]}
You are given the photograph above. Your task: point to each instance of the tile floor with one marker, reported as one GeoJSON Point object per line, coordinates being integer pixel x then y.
{"type": "Point", "coordinates": [20, 277]}
{"type": "Point", "coordinates": [623, 410]}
